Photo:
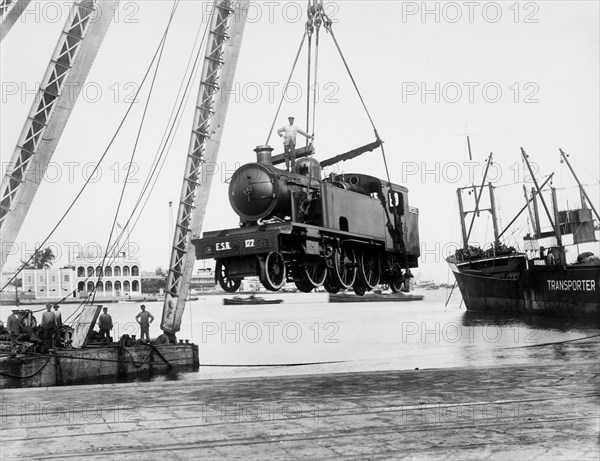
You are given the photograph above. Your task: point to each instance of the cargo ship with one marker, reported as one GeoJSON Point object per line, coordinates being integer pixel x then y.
{"type": "Point", "coordinates": [538, 280]}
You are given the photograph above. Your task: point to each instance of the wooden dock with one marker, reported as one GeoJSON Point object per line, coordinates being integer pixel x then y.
{"type": "Point", "coordinates": [512, 412]}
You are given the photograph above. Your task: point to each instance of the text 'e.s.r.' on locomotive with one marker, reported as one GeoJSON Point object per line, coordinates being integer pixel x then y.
{"type": "Point", "coordinates": [343, 231]}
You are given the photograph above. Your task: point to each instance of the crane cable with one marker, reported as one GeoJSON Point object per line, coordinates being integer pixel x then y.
{"type": "Point", "coordinates": [283, 93]}
{"type": "Point", "coordinates": [134, 150]}
{"type": "Point", "coordinates": [397, 235]}
{"type": "Point", "coordinates": [109, 248]}
{"type": "Point", "coordinates": [315, 19]}
{"type": "Point", "coordinates": [167, 139]}
{"type": "Point", "coordinates": [317, 22]}
{"type": "Point", "coordinates": [164, 147]}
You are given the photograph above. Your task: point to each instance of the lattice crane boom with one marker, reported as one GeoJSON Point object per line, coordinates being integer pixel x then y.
{"type": "Point", "coordinates": [222, 51]}
{"type": "Point", "coordinates": [10, 11]}
{"type": "Point", "coordinates": [71, 61]}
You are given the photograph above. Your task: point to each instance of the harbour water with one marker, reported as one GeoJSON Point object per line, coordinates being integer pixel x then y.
{"type": "Point", "coordinates": [307, 335]}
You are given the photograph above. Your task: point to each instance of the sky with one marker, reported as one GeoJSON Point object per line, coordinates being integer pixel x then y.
{"type": "Point", "coordinates": [508, 74]}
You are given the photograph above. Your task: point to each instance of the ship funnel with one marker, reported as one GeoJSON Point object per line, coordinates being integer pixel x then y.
{"type": "Point", "coordinates": [263, 154]}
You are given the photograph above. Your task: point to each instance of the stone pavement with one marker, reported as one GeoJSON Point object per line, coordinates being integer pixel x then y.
{"type": "Point", "coordinates": [509, 412]}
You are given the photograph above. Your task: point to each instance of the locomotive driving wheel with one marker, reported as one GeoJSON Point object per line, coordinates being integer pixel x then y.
{"type": "Point", "coordinates": [396, 285]}
{"type": "Point", "coordinates": [316, 274]}
{"type": "Point", "coordinates": [344, 267]}
{"type": "Point", "coordinates": [304, 286]}
{"type": "Point", "coordinates": [273, 271]}
{"type": "Point", "coordinates": [331, 285]}
{"type": "Point", "coordinates": [312, 277]}
{"type": "Point", "coordinates": [359, 287]}
{"type": "Point", "coordinates": [369, 269]}
{"type": "Point", "coordinates": [225, 281]}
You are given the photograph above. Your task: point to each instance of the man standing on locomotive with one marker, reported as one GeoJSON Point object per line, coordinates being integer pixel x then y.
{"type": "Point", "coordinates": [289, 142]}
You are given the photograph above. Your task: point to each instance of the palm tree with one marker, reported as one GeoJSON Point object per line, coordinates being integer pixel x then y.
{"type": "Point", "coordinates": [42, 259]}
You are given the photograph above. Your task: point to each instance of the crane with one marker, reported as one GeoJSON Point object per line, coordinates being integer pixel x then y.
{"type": "Point", "coordinates": [71, 61]}
{"type": "Point", "coordinates": [76, 49]}
{"type": "Point", "coordinates": [220, 61]}
{"type": "Point", "coordinates": [10, 11]}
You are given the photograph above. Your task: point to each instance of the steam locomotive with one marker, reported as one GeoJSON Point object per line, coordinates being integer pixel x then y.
{"type": "Point", "coordinates": [344, 231]}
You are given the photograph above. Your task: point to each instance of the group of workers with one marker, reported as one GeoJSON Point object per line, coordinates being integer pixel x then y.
{"type": "Point", "coordinates": [144, 319]}
{"type": "Point", "coordinates": [16, 324]}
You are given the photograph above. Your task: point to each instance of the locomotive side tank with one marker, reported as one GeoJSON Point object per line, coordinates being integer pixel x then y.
{"type": "Point", "coordinates": [344, 231]}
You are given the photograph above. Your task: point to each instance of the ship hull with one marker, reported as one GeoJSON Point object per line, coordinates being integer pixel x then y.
{"type": "Point", "coordinates": [520, 287]}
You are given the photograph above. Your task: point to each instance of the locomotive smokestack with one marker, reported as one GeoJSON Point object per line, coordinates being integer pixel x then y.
{"type": "Point", "coordinates": [263, 154]}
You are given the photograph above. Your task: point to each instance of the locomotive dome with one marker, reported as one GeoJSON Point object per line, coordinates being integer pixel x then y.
{"type": "Point", "coordinates": [309, 166]}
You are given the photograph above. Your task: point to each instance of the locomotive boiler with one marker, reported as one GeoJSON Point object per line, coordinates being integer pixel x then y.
{"type": "Point", "coordinates": [342, 231]}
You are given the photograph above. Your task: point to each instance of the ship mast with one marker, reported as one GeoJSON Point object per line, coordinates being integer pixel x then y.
{"type": "Point", "coordinates": [222, 51]}
{"type": "Point", "coordinates": [581, 188]}
{"type": "Point", "coordinates": [526, 206]}
{"type": "Point", "coordinates": [539, 192]}
{"type": "Point", "coordinates": [478, 193]}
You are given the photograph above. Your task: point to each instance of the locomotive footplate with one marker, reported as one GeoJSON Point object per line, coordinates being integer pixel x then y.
{"type": "Point", "coordinates": [243, 241]}
{"type": "Point", "coordinates": [303, 253]}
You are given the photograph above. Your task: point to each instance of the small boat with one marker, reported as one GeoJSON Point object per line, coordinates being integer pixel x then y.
{"type": "Point", "coordinates": [250, 300]}
{"type": "Point", "coordinates": [372, 297]}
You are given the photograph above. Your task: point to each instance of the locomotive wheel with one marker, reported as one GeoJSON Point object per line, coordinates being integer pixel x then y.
{"type": "Point", "coordinates": [312, 277]}
{"type": "Point", "coordinates": [344, 267]}
{"type": "Point", "coordinates": [359, 288]}
{"type": "Point", "coordinates": [304, 286]}
{"type": "Point", "coordinates": [331, 285]}
{"type": "Point", "coordinates": [228, 284]}
{"type": "Point", "coordinates": [369, 269]}
{"type": "Point", "coordinates": [273, 271]}
{"type": "Point", "coordinates": [316, 275]}
{"type": "Point", "coordinates": [396, 285]}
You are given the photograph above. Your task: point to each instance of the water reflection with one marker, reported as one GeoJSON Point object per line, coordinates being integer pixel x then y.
{"type": "Point", "coordinates": [540, 322]}
{"type": "Point", "coordinates": [530, 339]}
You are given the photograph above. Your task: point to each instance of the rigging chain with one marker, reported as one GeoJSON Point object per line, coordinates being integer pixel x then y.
{"type": "Point", "coordinates": [317, 21]}
{"type": "Point", "coordinates": [310, 29]}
